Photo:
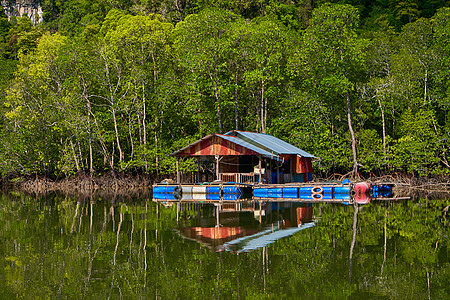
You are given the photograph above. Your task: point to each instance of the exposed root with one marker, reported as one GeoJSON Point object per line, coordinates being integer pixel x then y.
{"type": "Point", "coordinates": [84, 183]}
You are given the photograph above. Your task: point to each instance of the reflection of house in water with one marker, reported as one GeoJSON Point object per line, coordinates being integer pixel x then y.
{"type": "Point", "coordinates": [244, 226]}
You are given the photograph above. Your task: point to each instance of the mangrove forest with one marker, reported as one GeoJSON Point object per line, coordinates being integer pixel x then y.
{"type": "Point", "coordinates": [101, 86]}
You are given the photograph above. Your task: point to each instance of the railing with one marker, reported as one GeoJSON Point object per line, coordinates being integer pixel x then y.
{"type": "Point", "coordinates": [238, 177]}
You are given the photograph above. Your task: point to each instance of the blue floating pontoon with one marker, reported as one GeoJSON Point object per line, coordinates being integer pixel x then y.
{"type": "Point", "coordinates": [261, 192]}
{"type": "Point", "coordinates": [290, 192]}
{"type": "Point", "coordinates": [232, 189]}
{"type": "Point", "coordinates": [327, 193]}
{"type": "Point", "coordinates": [163, 189]}
{"type": "Point", "coordinates": [213, 190]}
{"type": "Point", "coordinates": [275, 193]}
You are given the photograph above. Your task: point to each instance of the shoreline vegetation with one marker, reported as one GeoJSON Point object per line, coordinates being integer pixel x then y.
{"type": "Point", "coordinates": [122, 183]}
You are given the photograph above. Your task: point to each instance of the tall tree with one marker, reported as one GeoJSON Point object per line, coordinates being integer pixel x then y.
{"type": "Point", "coordinates": [379, 86]}
{"type": "Point", "coordinates": [142, 44]}
{"type": "Point", "coordinates": [203, 43]}
{"type": "Point", "coordinates": [34, 106]}
{"type": "Point", "coordinates": [441, 29]}
{"type": "Point", "coordinates": [267, 47]}
{"type": "Point", "coordinates": [414, 62]}
{"type": "Point", "coordinates": [333, 59]}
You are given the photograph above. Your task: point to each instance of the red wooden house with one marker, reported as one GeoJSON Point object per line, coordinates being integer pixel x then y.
{"type": "Point", "coordinates": [249, 157]}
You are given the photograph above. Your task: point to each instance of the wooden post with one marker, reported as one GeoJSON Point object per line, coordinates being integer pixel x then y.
{"type": "Point", "coordinates": [269, 171]}
{"type": "Point", "coordinates": [278, 172]}
{"type": "Point", "coordinates": [198, 171]}
{"type": "Point", "coordinates": [178, 170]}
{"type": "Point", "coordinates": [260, 172]}
{"type": "Point", "coordinates": [217, 167]}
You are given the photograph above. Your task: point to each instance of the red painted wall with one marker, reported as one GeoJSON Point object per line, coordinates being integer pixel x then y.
{"type": "Point", "coordinates": [216, 145]}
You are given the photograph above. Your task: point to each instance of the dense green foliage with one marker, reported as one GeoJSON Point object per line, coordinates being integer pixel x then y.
{"type": "Point", "coordinates": [117, 85]}
{"type": "Point", "coordinates": [66, 247]}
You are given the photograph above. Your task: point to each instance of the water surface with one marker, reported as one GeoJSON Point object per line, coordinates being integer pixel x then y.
{"type": "Point", "coordinates": [110, 247]}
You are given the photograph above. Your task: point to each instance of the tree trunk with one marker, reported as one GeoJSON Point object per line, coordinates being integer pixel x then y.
{"type": "Point", "coordinates": [216, 93]}
{"type": "Point", "coordinates": [80, 155]}
{"type": "Point", "coordinates": [263, 127]}
{"type": "Point", "coordinates": [91, 159]}
{"type": "Point", "coordinates": [352, 133]}
{"type": "Point", "coordinates": [384, 127]}
{"type": "Point", "coordinates": [236, 101]}
{"type": "Point", "coordinates": [265, 114]}
{"type": "Point", "coordinates": [130, 133]}
{"type": "Point", "coordinates": [144, 129]}
{"type": "Point", "coordinates": [218, 110]}
{"type": "Point", "coordinates": [156, 156]}
{"type": "Point", "coordinates": [106, 155]}
{"type": "Point", "coordinates": [116, 129]}
{"type": "Point", "coordinates": [74, 155]}
{"type": "Point", "coordinates": [425, 87]}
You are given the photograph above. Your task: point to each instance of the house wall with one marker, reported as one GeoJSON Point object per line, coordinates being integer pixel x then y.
{"type": "Point", "coordinates": [216, 146]}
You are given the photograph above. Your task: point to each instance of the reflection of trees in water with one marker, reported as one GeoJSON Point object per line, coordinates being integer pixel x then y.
{"type": "Point", "coordinates": [352, 246]}
{"type": "Point", "coordinates": [60, 247]}
{"type": "Point", "coordinates": [431, 191]}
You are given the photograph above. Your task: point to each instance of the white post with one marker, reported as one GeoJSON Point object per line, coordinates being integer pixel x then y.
{"type": "Point", "coordinates": [217, 167]}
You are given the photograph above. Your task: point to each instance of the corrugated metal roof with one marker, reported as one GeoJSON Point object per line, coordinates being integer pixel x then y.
{"type": "Point", "coordinates": [269, 143]}
{"type": "Point", "coordinates": [243, 143]}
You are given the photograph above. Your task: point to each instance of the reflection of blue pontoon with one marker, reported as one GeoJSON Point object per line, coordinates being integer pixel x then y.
{"type": "Point", "coordinates": [214, 192]}
{"type": "Point", "coordinates": [261, 239]}
{"type": "Point", "coordinates": [382, 191]}
{"type": "Point", "coordinates": [305, 192]}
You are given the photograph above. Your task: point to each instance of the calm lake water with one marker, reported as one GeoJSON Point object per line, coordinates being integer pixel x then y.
{"type": "Point", "coordinates": [112, 247]}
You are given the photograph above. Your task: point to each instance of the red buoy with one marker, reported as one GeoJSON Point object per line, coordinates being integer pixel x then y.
{"type": "Point", "coordinates": [362, 190]}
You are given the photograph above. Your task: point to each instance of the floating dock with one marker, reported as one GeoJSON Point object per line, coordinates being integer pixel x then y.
{"type": "Point", "coordinates": [230, 191]}
{"type": "Point", "coordinates": [308, 192]}
{"type": "Point", "coordinates": [345, 192]}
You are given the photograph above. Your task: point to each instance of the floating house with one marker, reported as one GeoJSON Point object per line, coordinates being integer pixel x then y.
{"type": "Point", "coordinates": [247, 157]}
